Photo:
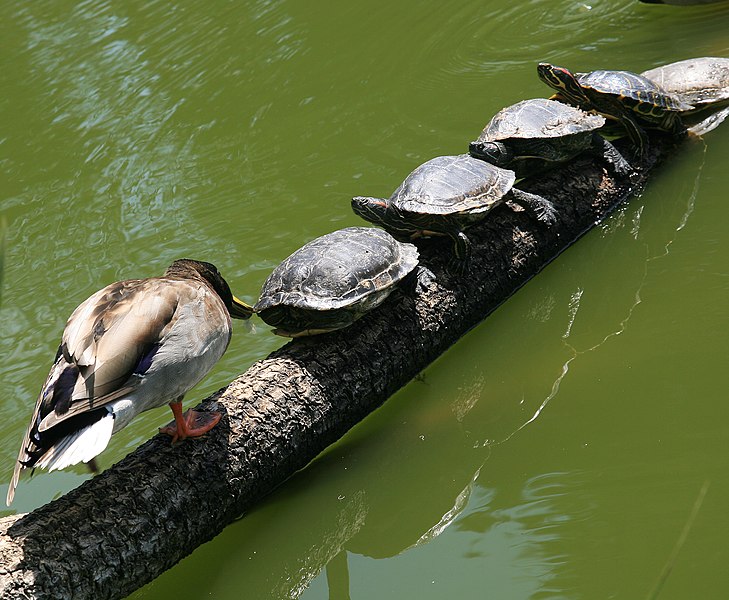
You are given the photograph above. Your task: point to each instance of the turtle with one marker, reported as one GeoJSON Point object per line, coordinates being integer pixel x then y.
{"type": "Point", "coordinates": [535, 134]}
{"type": "Point", "coordinates": [702, 82]}
{"type": "Point", "coordinates": [625, 96]}
{"type": "Point", "coordinates": [333, 280]}
{"type": "Point", "coordinates": [444, 196]}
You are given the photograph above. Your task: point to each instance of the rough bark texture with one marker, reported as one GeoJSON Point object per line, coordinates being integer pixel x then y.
{"type": "Point", "coordinates": [123, 528]}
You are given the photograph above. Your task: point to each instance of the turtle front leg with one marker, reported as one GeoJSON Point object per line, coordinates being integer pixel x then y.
{"type": "Point", "coordinates": [673, 123]}
{"type": "Point", "coordinates": [461, 252]}
{"type": "Point", "coordinates": [636, 134]}
{"type": "Point", "coordinates": [537, 206]}
{"type": "Point", "coordinates": [604, 149]}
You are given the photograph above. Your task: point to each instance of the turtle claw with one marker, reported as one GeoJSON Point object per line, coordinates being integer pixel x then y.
{"type": "Point", "coordinates": [616, 161]}
{"type": "Point", "coordinates": [458, 266]}
{"type": "Point", "coordinates": [424, 277]}
{"type": "Point", "coordinates": [546, 213]}
{"type": "Point", "coordinates": [538, 207]}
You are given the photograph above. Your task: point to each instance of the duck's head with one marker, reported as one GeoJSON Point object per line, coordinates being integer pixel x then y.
{"type": "Point", "coordinates": [186, 268]}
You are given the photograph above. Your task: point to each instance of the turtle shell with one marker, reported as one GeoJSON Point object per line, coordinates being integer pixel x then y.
{"type": "Point", "coordinates": [696, 81]}
{"type": "Point", "coordinates": [449, 185]}
{"type": "Point", "coordinates": [338, 270]}
{"type": "Point", "coordinates": [539, 118]}
{"type": "Point", "coordinates": [636, 91]}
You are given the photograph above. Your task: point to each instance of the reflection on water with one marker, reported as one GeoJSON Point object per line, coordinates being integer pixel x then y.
{"type": "Point", "coordinates": [3, 228]}
{"type": "Point", "coordinates": [627, 219]}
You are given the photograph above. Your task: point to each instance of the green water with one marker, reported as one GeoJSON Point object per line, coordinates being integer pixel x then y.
{"type": "Point", "coordinates": [555, 452]}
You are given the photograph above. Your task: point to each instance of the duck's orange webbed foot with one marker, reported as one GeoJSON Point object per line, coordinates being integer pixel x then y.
{"type": "Point", "coordinates": [190, 424]}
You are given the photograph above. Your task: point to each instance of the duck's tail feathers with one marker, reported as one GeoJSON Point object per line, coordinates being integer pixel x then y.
{"type": "Point", "coordinates": [13, 483]}
{"type": "Point", "coordinates": [80, 446]}
{"type": "Point", "coordinates": [75, 447]}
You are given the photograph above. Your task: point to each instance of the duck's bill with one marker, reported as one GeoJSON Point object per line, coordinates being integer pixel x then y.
{"type": "Point", "coordinates": [240, 310]}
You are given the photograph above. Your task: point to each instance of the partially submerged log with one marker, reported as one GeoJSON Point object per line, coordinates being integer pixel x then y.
{"type": "Point", "coordinates": [123, 528]}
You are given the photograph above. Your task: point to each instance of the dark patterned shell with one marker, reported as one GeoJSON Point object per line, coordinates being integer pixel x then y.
{"type": "Point", "coordinates": [697, 81]}
{"type": "Point", "coordinates": [635, 89]}
{"type": "Point", "coordinates": [338, 269]}
{"type": "Point", "coordinates": [539, 118]}
{"type": "Point", "coordinates": [453, 184]}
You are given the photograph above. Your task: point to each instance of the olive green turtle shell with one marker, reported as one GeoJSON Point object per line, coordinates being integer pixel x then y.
{"type": "Point", "coordinates": [635, 91]}
{"type": "Point", "coordinates": [697, 81]}
{"type": "Point", "coordinates": [449, 185]}
{"type": "Point", "coordinates": [338, 270]}
{"type": "Point", "coordinates": [539, 118]}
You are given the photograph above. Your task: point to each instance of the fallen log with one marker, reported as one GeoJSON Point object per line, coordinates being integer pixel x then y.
{"type": "Point", "coordinates": [121, 529]}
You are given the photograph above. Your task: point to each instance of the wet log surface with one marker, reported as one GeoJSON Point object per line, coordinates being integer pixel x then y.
{"type": "Point", "coordinates": [123, 528]}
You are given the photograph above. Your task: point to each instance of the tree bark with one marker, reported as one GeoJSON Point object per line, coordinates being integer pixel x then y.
{"type": "Point", "coordinates": [121, 529]}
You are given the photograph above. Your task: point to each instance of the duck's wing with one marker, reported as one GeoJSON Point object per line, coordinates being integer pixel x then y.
{"type": "Point", "coordinates": [108, 338]}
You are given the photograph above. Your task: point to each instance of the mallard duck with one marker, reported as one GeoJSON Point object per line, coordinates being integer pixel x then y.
{"type": "Point", "coordinates": [132, 346]}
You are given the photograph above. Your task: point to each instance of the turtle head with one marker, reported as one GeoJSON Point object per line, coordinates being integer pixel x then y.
{"type": "Point", "coordinates": [495, 153]}
{"type": "Point", "coordinates": [374, 210]}
{"type": "Point", "coordinates": [562, 80]}
{"type": "Point", "coordinates": [383, 213]}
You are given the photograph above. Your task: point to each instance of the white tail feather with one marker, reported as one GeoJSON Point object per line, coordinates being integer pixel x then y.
{"type": "Point", "coordinates": [80, 446]}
